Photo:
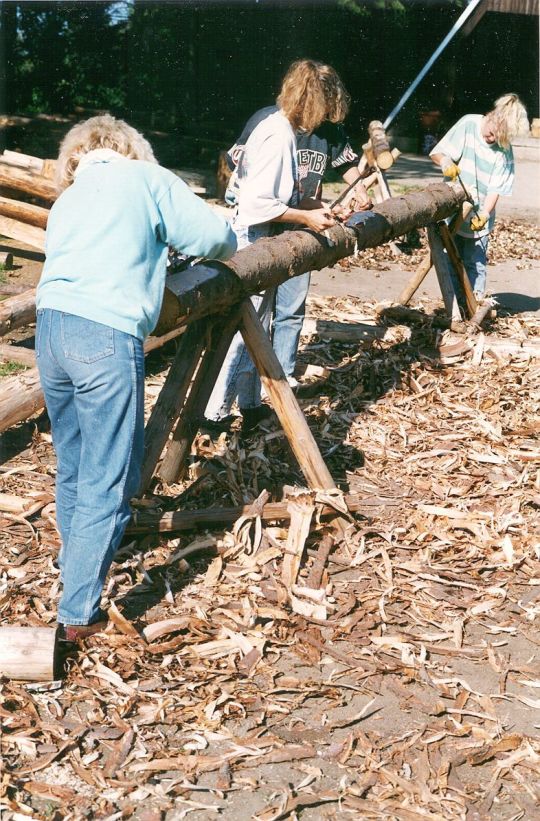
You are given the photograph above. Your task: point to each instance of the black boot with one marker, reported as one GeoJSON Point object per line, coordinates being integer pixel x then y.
{"type": "Point", "coordinates": [252, 416]}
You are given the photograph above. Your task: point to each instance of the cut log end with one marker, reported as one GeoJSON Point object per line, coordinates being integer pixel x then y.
{"type": "Point", "coordinates": [30, 654]}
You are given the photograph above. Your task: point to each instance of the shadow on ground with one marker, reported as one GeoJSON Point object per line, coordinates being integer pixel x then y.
{"type": "Point", "coordinates": [513, 303]}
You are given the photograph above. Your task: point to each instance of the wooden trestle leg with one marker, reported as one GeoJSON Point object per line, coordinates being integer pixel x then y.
{"type": "Point", "coordinates": [172, 397]}
{"type": "Point", "coordinates": [446, 285]}
{"type": "Point", "coordinates": [425, 265]}
{"type": "Point", "coordinates": [220, 337]}
{"type": "Point", "coordinates": [283, 400]}
{"type": "Point", "coordinates": [172, 403]}
{"type": "Point", "coordinates": [459, 268]}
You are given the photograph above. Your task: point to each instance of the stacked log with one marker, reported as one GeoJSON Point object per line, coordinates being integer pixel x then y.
{"type": "Point", "coordinates": [24, 176]}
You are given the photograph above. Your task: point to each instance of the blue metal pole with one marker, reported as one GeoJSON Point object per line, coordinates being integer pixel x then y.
{"type": "Point", "coordinates": [455, 28]}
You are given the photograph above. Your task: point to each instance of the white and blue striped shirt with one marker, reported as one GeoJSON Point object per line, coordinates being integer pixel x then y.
{"type": "Point", "coordinates": [485, 169]}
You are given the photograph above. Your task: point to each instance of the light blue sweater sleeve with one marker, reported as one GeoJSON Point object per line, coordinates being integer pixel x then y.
{"type": "Point", "coordinates": [189, 224]}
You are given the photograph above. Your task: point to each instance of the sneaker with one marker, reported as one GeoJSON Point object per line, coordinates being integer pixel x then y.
{"type": "Point", "coordinates": [73, 633]}
{"type": "Point", "coordinates": [217, 425]}
{"type": "Point", "coordinates": [252, 416]}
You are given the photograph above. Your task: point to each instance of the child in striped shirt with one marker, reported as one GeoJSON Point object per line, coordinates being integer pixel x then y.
{"type": "Point", "coordinates": [478, 149]}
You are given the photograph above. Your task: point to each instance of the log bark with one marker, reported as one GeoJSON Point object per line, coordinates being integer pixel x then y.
{"type": "Point", "coordinates": [215, 286]}
{"type": "Point", "coordinates": [35, 185]}
{"type": "Point", "coordinates": [24, 212]}
{"type": "Point", "coordinates": [17, 311]}
{"type": "Point", "coordinates": [28, 234]}
{"type": "Point", "coordinates": [380, 145]}
{"type": "Point", "coordinates": [29, 653]}
{"type": "Point", "coordinates": [14, 353]}
{"type": "Point", "coordinates": [283, 400]}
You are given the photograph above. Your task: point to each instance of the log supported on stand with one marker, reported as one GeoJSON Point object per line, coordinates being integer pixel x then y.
{"type": "Point", "coordinates": [215, 286]}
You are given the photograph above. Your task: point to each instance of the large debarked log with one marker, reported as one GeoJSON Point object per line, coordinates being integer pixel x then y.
{"type": "Point", "coordinates": [213, 287]}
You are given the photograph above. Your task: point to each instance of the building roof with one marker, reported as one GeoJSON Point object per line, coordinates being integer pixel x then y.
{"type": "Point", "coordinates": [513, 6]}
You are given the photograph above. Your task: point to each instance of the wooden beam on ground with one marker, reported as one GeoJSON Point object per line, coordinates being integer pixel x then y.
{"type": "Point", "coordinates": [180, 520]}
{"type": "Point", "coordinates": [283, 400]}
{"type": "Point", "coordinates": [14, 353]}
{"type": "Point", "coordinates": [20, 397]}
{"type": "Point", "coordinates": [29, 653]}
{"type": "Point", "coordinates": [481, 312]}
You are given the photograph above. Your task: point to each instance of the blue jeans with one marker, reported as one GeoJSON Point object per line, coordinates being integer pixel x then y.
{"type": "Point", "coordinates": [290, 309]}
{"type": "Point", "coordinates": [93, 380]}
{"type": "Point", "coordinates": [238, 377]}
{"type": "Point", "coordinates": [473, 253]}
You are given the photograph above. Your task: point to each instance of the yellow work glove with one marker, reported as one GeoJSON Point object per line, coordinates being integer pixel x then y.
{"type": "Point", "coordinates": [451, 170]}
{"type": "Point", "coordinates": [479, 220]}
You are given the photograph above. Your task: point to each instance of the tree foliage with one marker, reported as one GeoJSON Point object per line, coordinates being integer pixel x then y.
{"type": "Point", "coordinates": [201, 67]}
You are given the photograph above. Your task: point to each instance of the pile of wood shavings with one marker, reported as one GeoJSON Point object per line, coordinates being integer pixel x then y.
{"type": "Point", "coordinates": [510, 239]}
{"type": "Point", "coordinates": [415, 697]}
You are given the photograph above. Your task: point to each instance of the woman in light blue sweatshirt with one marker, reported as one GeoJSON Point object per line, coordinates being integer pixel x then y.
{"type": "Point", "coordinates": [98, 298]}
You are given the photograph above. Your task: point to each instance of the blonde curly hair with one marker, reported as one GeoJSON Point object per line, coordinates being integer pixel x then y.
{"type": "Point", "coordinates": [508, 119]}
{"type": "Point", "coordinates": [312, 92]}
{"type": "Point", "coordinates": [103, 131]}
